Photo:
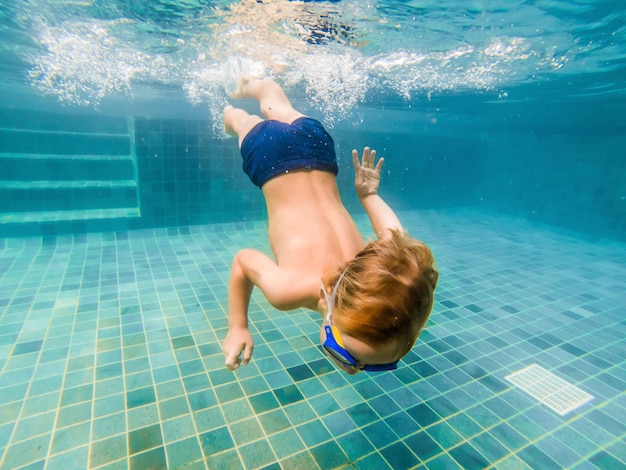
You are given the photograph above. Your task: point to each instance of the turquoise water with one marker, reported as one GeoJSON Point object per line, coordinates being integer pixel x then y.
{"type": "Point", "coordinates": [122, 204]}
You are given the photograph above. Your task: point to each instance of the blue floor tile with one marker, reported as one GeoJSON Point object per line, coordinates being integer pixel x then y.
{"type": "Point", "coordinates": [110, 356]}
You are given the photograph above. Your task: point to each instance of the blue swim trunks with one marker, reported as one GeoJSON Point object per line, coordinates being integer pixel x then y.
{"type": "Point", "coordinates": [273, 148]}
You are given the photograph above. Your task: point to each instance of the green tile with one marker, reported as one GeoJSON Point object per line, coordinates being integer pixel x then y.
{"type": "Point", "coordinates": [246, 431]}
{"type": "Point", "coordinates": [153, 459]}
{"type": "Point", "coordinates": [27, 347]}
{"type": "Point", "coordinates": [109, 405]}
{"type": "Point", "coordinates": [190, 368]}
{"type": "Point", "coordinates": [75, 458]}
{"type": "Point", "coordinates": [209, 419]}
{"type": "Point", "coordinates": [355, 444]}
{"type": "Point", "coordinates": [227, 460]}
{"type": "Point", "coordinates": [464, 425]}
{"type": "Point", "coordinates": [182, 453]}
{"type": "Point", "coordinates": [14, 393]}
{"type": "Point", "coordinates": [197, 383]}
{"type": "Point", "coordinates": [186, 355]}
{"type": "Point", "coordinates": [108, 426]}
{"type": "Point", "coordinates": [42, 386]}
{"type": "Point", "coordinates": [34, 426]}
{"type": "Point", "coordinates": [68, 438]}
{"type": "Point", "coordinates": [26, 452]}
{"type": "Point", "coordinates": [483, 416]}
{"type": "Point", "coordinates": [215, 441]}
{"type": "Point", "coordinates": [299, 413]}
{"type": "Point", "coordinates": [138, 365]}
{"type": "Point", "coordinates": [257, 454]}
{"type": "Point", "coordinates": [109, 371]}
{"type": "Point", "coordinates": [274, 421]}
{"type": "Point", "coordinates": [108, 387]}
{"type": "Point", "coordinates": [79, 363]}
{"type": "Point", "coordinates": [329, 455]}
{"type": "Point", "coordinates": [143, 416]}
{"type": "Point", "coordinates": [174, 407]}
{"type": "Point", "coordinates": [263, 402]}
{"type": "Point", "coordinates": [136, 380]}
{"type": "Point", "coordinates": [144, 439]}
{"type": "Point", "coordinates": [6, 431]}
{"type": "Point", "coordinates": [108, 344]}
{"type": "Point", "coordinates": [10, 412]}
{"type": "Point", "coordinates": [313, 433]}
{"type": "Point", "coordinates": [526, 427]}
{"type": "Point", "coordinates": [289, 394]}
{"type": "Point", "coordinates": [228, 392]}
{"type": "Point", "coordinates": [202, 400]}
{"type": "Point", "coordinates": [33, 405]}
{"type": "Point", "coordinates": [81, 377]}
{"type": "Point", "coordinates": [171, 389]}
{"type": "Point", "coordinates": [178, 428]}
{"type": "Point", "coordinates": [75, 395]}
{"type": "Point", "coordinates": [513, 462]}
{"type": "Point", "coordinates": [444, 462]}
{"type": "Point", "coordinates": [444, 435]}
{"type": "Point", "coordinates": [134, 352]}
{"type": "Point", "coordinates": [223, 376]}
{"type": "Point", "coordinates": [301, 460]}
{"type": "Point", "coordinates": [113, 356]}
{"type": "Point", "coordinates": [236, 410]}
{"type": "Point", "coordinates": [286, 443]}
{"type": "Point", "coordinates": [74, 414]}
{"type": "Point", "coordinates": [254, 385]}
{"type": "Point", "coordinates": [140, 397]}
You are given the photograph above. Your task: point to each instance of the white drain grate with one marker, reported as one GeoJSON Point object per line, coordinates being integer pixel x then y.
{"type": "Point", "coordinates": [549, 389]}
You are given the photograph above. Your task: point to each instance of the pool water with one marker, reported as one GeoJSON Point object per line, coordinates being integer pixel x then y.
{"type": "Point", "coordinates": [122, 204]}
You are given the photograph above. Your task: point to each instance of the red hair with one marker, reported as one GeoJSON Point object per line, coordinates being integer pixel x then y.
{"type": "Point", "coordinates": [387, 291]}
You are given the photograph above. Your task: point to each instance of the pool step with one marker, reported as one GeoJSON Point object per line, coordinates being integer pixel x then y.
{"type": "Point", "coordinates": [59, 195]}
{"type": "Point", "coordinates": [51, 223]}
{"type": "Point", "coordinates": [68, 216]}
{"type": "Point", "coordinates": [48, 166]}
{"type": "Point", "coordinates": [63, 142]}
{"type": "Point", "coordinates": [57, 172]}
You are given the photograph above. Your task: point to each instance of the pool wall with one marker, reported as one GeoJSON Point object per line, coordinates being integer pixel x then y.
{"type": "Point", "coordinates": [75, 173]}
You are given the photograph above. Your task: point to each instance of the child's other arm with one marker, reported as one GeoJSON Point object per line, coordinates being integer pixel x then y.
{"type": "Point", "coordinates": [366, 182]}
{"type": "Point", "coordinates": [252, 268]}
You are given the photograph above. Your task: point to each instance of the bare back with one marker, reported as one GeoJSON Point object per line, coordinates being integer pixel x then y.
{"type": "Point", "coordinates": [310, 230]}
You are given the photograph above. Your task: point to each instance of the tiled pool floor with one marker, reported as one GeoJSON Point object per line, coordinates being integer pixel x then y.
{"type": "Point", "coordinates": [110, 357]}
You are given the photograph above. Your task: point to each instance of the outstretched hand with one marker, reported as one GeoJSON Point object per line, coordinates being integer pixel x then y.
{"type": "Point", "coordinates": [367, 176]}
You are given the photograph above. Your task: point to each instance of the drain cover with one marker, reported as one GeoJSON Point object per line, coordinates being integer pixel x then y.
{"type": "Point", "coordinates": [549, 389]}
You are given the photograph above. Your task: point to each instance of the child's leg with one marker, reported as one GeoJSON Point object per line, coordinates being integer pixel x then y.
{"type": "Point", "coordinates": [239, 122]}
{"type": "Point", "coordinates": [271, 97]}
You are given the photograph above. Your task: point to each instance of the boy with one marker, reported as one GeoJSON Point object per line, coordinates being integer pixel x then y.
{"type": "Point", "coordinates": [375, 298]}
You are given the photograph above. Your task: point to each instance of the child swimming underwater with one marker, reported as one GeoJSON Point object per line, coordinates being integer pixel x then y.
{"type": "Point", "coordinates": [375, 298]}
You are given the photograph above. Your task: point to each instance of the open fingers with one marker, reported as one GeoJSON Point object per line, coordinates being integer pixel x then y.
{"type": "Point", "coordinates": [367, 161]}
{"type": "Point", "coordinates": [368, 157]}
{"type": "Point", "coordinates": [379, 165]}
{"type": "Point", "coordinates": [355, 161]}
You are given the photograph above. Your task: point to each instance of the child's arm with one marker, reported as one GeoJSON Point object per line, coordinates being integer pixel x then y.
{"type": "Point", "coordinates": [366, 183]}
{"type": "Point", "coordinates": [252, 268]}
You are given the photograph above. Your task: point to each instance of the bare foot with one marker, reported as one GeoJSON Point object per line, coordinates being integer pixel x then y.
{"type": "Point", "coordinates": [240, 89]}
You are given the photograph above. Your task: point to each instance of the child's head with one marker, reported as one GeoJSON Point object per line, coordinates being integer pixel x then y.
{"type": "Point", "coordinates": [385, 294]}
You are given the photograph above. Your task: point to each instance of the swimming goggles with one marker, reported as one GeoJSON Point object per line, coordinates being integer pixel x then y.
{"type": "Point", "coordinates": [334, 344]}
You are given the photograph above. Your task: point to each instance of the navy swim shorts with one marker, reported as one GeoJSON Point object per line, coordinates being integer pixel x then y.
{"type": "Point", "coordinates": [273, 148]}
